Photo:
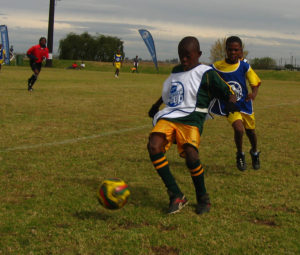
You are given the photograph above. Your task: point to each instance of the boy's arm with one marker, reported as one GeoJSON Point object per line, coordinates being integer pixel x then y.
{"type": "Point", "coordinates": [155, 108]}
{"type": "Point", "coordinates": [30, 54]}
{"type": "Point", "coordinates": [220, 89]}
{"type": "Point", "coordinates": [252, 96]}
{"type": "Point", "coordinates": [254, 82]}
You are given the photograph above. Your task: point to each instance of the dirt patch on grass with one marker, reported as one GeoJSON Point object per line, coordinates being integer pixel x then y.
{"type": "Point", "coordinates": [164, 249]}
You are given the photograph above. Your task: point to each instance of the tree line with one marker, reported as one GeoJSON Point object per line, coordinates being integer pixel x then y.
{"type": "Point", "coordinates": [88, 47]}
{"type": "Point", "coordinates": [102, 48]}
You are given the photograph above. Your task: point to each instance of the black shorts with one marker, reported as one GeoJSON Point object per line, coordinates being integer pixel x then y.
{"type": "Point", "coordinates": [35, 66]}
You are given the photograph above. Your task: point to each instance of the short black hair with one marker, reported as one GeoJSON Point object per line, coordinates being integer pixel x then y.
{"type": "Point", "coordinates": [42, 38]}
{"type": "Point", "coordinates": [189, 40]}
{"type": "Point", "coordinates": [232, 39]}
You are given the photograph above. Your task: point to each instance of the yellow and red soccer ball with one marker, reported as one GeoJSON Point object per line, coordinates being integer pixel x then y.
{"type": "Point", "coordinates": [113, 193]}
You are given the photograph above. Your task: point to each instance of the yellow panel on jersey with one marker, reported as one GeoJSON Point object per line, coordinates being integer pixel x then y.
{"type": "Point", "coordinates": [252, 78]}
{"type": "Point", "coordinates": [224, 67]}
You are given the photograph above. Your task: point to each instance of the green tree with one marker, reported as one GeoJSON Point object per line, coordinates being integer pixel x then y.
{"type": "Point", "coordinates": [87, 47]}
{"type": "Point", "coordinates": [218, 50]}
{"type": "Point", "coordinates": [263, 63]}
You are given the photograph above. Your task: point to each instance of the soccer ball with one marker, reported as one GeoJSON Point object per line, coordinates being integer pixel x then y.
{"type": "Point", "coordinates": [113, 193]}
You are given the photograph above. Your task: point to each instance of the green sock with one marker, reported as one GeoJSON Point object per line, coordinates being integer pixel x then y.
{"type": "Point", "coordinates": [197, 174]}
{"type": "Point", "coordinates": [161, 164]}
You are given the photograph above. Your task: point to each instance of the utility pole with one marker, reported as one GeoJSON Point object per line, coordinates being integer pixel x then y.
{"type": "Point", "coordinates": [50, 33]}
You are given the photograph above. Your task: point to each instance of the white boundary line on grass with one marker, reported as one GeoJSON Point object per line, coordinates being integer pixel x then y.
{"type": "Point", "coordinates": [75, 140]}
{"type": "Point", "coordinates": [117, 132]}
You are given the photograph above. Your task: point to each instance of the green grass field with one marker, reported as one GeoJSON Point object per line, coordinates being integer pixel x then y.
{"type": "Point", "coordinates": [80, 127]}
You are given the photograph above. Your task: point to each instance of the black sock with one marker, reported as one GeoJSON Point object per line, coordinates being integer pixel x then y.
{"type": "Point", "coordinates": [33, 79]}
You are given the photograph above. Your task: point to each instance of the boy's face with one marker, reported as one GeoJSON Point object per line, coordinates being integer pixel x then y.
{"type": "Point", "coordinates": [234, 52]}
{"type": "Point", "coordinates": [189, 57]}
{"type": "Point", "coordinates": [43, 43]}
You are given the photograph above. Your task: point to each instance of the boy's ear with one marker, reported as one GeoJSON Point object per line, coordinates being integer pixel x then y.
{"type": "Point", "coordinates": [200, 53]}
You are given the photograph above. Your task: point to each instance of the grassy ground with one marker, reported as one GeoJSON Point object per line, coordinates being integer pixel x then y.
{"type": "Point", "coordinates": [80, 127]}
{"type": "Point", "coordinates": [144, 67]}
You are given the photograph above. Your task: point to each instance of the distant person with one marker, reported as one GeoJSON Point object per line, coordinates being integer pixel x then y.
{"type": "Point", "coordinates": [236, 72]}
{"type": "Point", "coordinates": [74, 66]}
{"type": "Point", "coordinates": [11, 53]}
{"type": "Point", "coordinates": [2, 55]}
{"type": "Point", "coordinates": [117, 63]}
{"type": "Point", "coordinates": [37, 54]}
{"type": "Point", "coordinates": [135, 64]}
{"type": "Point", "coordinates": [82, 65]}
{"type": "Point", "coordinates": [186, 94]}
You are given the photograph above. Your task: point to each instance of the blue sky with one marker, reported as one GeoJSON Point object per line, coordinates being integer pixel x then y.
{"type": "Point", "coordinates": [268, 28]}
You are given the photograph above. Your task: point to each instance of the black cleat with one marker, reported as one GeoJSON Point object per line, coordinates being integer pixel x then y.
{"type": "Point", "coordinates": [29, 85]}
{"type": "Point", "coordinates": [176, 204]}
{"type": "Point", "coordinates": [203, 205]}
{"type": "Point", "coordinates": [240, 161]}
{"type": "Point", "coordinates": [255, 159]}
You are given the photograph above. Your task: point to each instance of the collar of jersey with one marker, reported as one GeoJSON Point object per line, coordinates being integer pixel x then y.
{"type": "Point", "coordinates": [223, 66]}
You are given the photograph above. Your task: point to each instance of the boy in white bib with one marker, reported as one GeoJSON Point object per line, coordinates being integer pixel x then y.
{"type": "Point", "coordinates": [186, 94]}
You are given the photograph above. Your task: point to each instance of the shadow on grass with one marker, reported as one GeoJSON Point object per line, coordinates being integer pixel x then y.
{"type": "Point", "coordinates": [142, 196]}
{"type": "Point", "coordinates": [95, 215]}
{"type": "Point", "coordinates": [214, 169]}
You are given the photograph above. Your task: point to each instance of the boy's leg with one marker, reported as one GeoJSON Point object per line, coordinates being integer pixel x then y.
{"type": "Point", "coordinates": [236, 121]}
{"type": "Point", "coordinates": [34, 77]}
{"type": "Point", "coordinates": [252, 139]}
{"type": "Point", "coordinates": [253, 152]}
{"type": "Point", "coordinates": [249, 122]}
{"type": "Point", "coordinates": [197, 173]}
{"type": "Point", "coordinates": [155, 146]}
{"type": "Point", "coordinates": [31, 81]}
{"type": "Point", "coordinates": [238, 128]}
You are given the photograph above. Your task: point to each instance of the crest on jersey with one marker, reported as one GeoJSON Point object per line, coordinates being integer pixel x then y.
{"type": "Point", "coordinates": [237, 89]}
{"type": "Point", "coordinates": [176, 95]}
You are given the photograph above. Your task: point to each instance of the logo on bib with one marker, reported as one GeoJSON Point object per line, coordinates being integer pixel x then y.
{"type": "Point", "coordinates": [176, 95]}
{"type": "Point", "coordinates": [237, 89]}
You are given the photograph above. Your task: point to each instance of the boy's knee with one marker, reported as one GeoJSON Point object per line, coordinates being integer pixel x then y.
{"type": "Point", "coordinates": [238, 127]}
{"type": "Point", "coordinates": [155, 144]}
{"type": "Point", "coordinates": [191, 154]}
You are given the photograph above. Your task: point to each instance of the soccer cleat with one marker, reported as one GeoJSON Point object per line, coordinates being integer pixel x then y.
{"type": "Point", "coordinates": [240, 161]}
{"type": "Point", "coordinates": [29, 85]}
{"type": "Point", "coordinates": [203, 205]}
{"type": "Point", "coordinates": [255, 159]}
{"type": "Point", "coordinates": [176, 204]}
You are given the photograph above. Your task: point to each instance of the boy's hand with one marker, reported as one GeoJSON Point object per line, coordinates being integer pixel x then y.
{"type": "Point", "coordinates": [32, 57]}
{"type": "Point", "coordinates": [230, 107]}
{"type": "Point", "coordinates": [232, 99]}
{"type": "Point", "coordinates": [250, 97]}
{"type": "Point", "coordinates": [154, 109]}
